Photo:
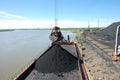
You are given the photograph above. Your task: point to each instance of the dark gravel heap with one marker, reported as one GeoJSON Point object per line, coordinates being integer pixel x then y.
{"type": "Point", "coordinates": [107, 35]}
{"type": "Point", "coordinates": [56, 60]}
{"type": "Point", "coordinates": [109, 32]}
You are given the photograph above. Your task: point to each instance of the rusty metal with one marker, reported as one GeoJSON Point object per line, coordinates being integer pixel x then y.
{"type": "Point", "coordinates": [63, 43]}
{"type": "Point", "coordinates": [116, 58]}
{"type": "Point", "coordinates": [83, 72]}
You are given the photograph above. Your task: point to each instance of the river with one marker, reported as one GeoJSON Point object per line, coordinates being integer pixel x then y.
{"type": "Point", "coordinates": [20, 47]}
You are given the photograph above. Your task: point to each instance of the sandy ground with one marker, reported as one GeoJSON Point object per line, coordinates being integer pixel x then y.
{"type": "Point", "coordinates": [97, 67]}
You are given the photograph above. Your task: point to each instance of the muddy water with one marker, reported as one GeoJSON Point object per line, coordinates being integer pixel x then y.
{"type": "Point", "coordinates": [20, 47]}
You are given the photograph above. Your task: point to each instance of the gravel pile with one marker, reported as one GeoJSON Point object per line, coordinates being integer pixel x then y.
{"type": "Point", "coordinates": [109, 33]}
{"type": "Point", "coordinates": [56, 60]}
{"type": "Point", "coordinates": [107, 36]}
{"type": "Point", "coordinates": [35, 75]}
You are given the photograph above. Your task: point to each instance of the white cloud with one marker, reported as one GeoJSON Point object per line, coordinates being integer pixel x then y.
{"type": "Point", "coordinates": [7, 24]}
{"type": "Point", "coordinates": [2, 13]}
{"type": "Point", "coordinates": [16, 21]}
{"type": "Point", "coordinates": [8, 15]}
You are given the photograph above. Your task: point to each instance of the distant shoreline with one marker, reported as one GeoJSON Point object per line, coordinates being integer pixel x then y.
{"type": "Point", "coordinates": [5, 30]}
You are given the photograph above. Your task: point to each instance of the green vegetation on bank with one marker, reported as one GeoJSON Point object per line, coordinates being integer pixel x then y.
{"type": "Point", "coordinates": [71, 29]}
{"type": "Point", "coordinates": [82, 29]}
{"type": "Point", "coordinates": [5, 30]}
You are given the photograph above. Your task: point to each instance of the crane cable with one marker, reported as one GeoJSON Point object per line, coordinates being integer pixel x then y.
{"type": "Point", "coordinates": [56, 12]}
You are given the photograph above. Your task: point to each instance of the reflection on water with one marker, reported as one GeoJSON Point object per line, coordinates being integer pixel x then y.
{"type": "Point", "coordinates": [18, 48]}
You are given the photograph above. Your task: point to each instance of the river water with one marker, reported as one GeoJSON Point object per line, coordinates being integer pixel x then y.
{"type": "Point", "coordinates": [20, 47]}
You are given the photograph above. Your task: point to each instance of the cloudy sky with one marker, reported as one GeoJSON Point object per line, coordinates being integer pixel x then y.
{"type": "Point", "coordinates": [70, 13]}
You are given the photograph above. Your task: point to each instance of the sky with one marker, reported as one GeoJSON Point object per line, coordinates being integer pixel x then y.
{"type": "Point", "coordinates": [69, 13]}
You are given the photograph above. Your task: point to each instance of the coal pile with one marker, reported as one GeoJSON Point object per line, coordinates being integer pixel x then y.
{"type": "Point", "coordinates": [56, 60]}
{"type": "Point", "coordinates": [106, 36]}
{"type": "Point", "coordinates": [109, 33]}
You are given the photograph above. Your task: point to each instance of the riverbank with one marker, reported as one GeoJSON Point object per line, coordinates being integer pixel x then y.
{"type": "Point", "coordinates": [97, 67]}
{"type": "Point", "coordinates": [5, 30]}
